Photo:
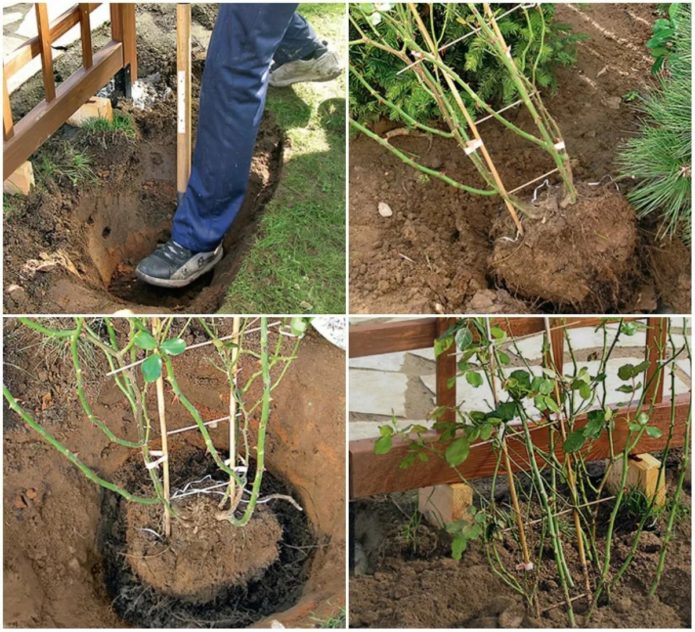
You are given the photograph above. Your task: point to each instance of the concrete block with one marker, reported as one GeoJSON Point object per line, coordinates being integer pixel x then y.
{"type": "Point", "coordinates": [642, 474]}
{"type": "Point", "coordinates": [442, 504]}
{"type": "Point", "coordinates": [21, 181]}
{"type": "Point", "coordinates": [96, 107]}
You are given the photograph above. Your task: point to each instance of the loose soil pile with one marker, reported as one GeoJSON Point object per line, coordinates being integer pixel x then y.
{"type": "Point", "coordinates": [65, 562]}
{"type": "Point", "coordinates": [407, 578]}
{"type": "Point", "coordinates": [434, 253]}
{"type": "Point", "coordinates": [577, 257]}
{"type": "Point", "coordinates": [73, 247]}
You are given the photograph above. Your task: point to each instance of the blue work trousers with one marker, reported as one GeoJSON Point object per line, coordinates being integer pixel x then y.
{"type": "Point", "coordinates": [247, 38]}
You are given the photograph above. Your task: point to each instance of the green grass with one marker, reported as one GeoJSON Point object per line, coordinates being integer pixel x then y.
{"type": "Point", "coordinates": [64, 161]}
{"type": "Point", "coordinates": [11, 204]}
{"type": "Point", "coordinates": [336, 621]}
{"type": "Point", "coordinates": [297, 265]}
{"type": "Point", "coordinates": [122, 124]}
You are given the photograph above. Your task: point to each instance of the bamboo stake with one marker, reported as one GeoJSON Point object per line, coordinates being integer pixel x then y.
{"type": "Point", "coordinates": [161, 409]}
{"type": "Point", "coordinates": [471, 123]}
{"type": "Point", "coordinates": [507, 463]}
{"type": "Point", "coordinates": [555, 363]}
{"type": "Point", "coordinates": [231, 492]}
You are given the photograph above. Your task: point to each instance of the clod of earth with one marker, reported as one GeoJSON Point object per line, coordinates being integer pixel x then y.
{"type": "Point", "coordinates": [208, 570]}
{"type": "Point", "coordinates": [203, 554]}
{"type": "Point", "coordinates": [577, 256]}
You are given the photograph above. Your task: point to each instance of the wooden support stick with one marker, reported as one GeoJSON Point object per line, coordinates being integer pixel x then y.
{"type": "Point", "coordinates": [471, 124]}
{"type": "Point", "coordinates": [555, 360]}
{"type": "Point", "coordinates": [161, 409]}
{"type": "Point", "coordinates": [231, 493]}
{"type": "Point", "coordinates": [183, 93]}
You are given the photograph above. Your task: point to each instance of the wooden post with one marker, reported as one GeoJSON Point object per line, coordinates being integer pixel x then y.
{"type": "Point", "coordinates": [657, 333]}
{"type": "Point", "coordinates": [130, 54]}
{"type": "Point", "coordinates": [46, 54]}
{"type": "Point", "coordinates": [183, 92]}
{"type": "Point", "coordinates": [85, 35]}
{"type": "Point", "coordinates": [446, 370]}
{"type": "Point", "coordinates": [116, 22]}
{"type": "Point", "coordinates": [7, 124]}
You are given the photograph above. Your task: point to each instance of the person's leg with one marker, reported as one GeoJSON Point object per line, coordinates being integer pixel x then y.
{"type": "Point", "coordinates": [300, 42]}
{"type": "Point", "coordinates": [232, 100]}
{"type": "Point", "coordinates": [303, 56]}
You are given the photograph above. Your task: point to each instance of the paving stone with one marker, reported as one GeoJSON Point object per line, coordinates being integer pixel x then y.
{"type": "Point", "coordinates": [377, 393]}
{"type": "Point", "coordinates": [425, 354]}
{"type": "Point", "coordinates": [383, 362]}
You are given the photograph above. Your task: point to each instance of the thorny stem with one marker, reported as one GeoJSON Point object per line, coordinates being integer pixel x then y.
{"type": "Point", "coordinates": [262, 426]}
{"type": "Point", "coordinates": [442, 88]}
{"type": "Point", "coordinates": [71, 456]}
{"type": "Point", "coordinates": [555, 364]}
{"type": "Point", "coordinates": [684, 468]}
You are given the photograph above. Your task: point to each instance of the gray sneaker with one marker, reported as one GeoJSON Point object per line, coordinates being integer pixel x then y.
{"type": "Point", "coordinates": [323, 68]}
{"type": "Point", "coordinates": [172, 265]}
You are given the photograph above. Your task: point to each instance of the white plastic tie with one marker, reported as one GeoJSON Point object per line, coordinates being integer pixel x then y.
{"type": "Point", "coordinates": [152, 464]}
{"type": "Point", "coordinates": [473, 145]}
{"type": "Point", "coordinates": [239, 469]}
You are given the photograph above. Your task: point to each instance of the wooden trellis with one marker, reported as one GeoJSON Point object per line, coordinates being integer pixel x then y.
{"type": "Point", "coordinates": [25, 136]}
{"type": "Point", "coordinates": [371, 474]}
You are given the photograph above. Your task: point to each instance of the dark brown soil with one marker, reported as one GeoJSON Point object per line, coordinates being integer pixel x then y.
{"type": "Point", "coordinates": [55, 571]}
{"type": "Point", "coordinates": [75, 249]}
{"type": "Point", "coordinates": [203, 553]}
{"type": "Point", "coordinates": [414, 583]}
{"type": "Point", "coordinates": [578, 257]}
{"type": "Point", "coordinates": [432, 254]}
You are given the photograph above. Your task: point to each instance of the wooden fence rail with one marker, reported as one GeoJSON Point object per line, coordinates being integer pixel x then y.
{"type": "Point", "coordinates": [22, 138]}
{"type": "Point", "coordinates": [371, 474]}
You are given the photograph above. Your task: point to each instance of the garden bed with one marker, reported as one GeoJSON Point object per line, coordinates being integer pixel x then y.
{"type": "Point", "coordinates": [75, 555]}
{"type": "Point", "coordinates": [406, 577]}
{"type": "Point", "coordinates": [436, 252]}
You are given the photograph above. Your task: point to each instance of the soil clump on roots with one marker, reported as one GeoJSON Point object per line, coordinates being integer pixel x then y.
{"type": "Point", "coordinates": [578, 256]}
{"type": "Point", "coordinates": [209, 573]}
{"type": "Point", "coordinates": [203, 553]}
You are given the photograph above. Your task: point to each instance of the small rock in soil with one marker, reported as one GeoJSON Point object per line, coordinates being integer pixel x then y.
{"type": "Point", "coordinates": [385, 210]}
{"type": "Point", "coordinates": [511, 618]}
{"type": "Point", "coordinates": [499, 605]}
{"type": "Point", "coordinates": [623, 604]}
